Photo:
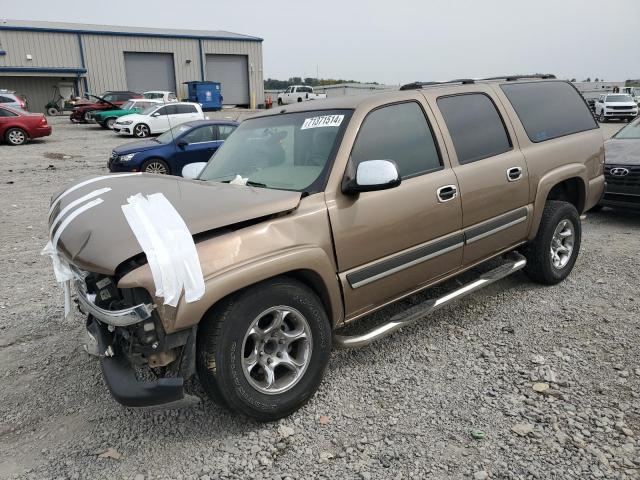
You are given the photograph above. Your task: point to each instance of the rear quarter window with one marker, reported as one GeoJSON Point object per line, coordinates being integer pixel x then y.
{"type": "Point", "coordinates": [549, 110]}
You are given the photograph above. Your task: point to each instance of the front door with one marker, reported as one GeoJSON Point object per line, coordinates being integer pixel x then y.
{"type": "Point", "coordinates": [196, 146]}
{"type": "Point", "coordinates": [393, 241]}
{"type": "Point", "coordinates": [491, 171]}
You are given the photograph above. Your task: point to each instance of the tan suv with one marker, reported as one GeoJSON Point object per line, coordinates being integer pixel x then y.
{"type": "Point", "coordinates": [312, 216]}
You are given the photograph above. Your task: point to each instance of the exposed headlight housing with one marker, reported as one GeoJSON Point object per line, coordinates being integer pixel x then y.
{"type": "Point", "coordinates": [126, 158]}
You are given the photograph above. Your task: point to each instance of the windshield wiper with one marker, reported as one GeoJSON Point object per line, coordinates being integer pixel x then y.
{"type": "Point", "coordinates": [255, 184]}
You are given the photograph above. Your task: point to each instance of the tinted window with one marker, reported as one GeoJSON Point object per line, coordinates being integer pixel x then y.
{"type": "Point", "coordinates": [549, 109]}
{"type": "Point", "coordinates": [399, 133]}
{"type": "Point", "coordinates": [6, 99]}
{"type": "Point", "coordinates": [224, 131]}
{"type": "Point", "coordinates": [475, 126]}
{"type": "Point", "coordinates": [619, 98]}
{"type": "Point", "coordinates": [186, 109]}
{"type": "Point", "coordinates": [200, 134]}
{"type": "Point", "coordinates": [6, 113]}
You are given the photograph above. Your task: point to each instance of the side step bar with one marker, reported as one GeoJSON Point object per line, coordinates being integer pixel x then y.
{"type": "Point", "coordinates": [515, 262]}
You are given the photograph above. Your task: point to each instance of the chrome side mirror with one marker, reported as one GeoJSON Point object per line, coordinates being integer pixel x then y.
{"type": "Point", "coordinates": [373, 175]}
{"type": "Point", "coordinates": [192, 170]}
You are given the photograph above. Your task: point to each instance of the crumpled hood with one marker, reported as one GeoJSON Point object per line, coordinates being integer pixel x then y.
{"type": "Point", "coordinates": [99, 238]}
{"type": "Point", "coordinates": [622, 151]}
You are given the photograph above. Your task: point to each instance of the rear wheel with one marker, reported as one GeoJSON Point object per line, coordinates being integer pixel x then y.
{"type": "Point", "coordinates": [263, 351]}
{"type": "Point", "coordinates": [552, 254]}
{"type": "Point", "coordinates": [141, 130]}
{"type": "Point", "coordinates": [15, 136]}
{"type": "Point", "coordinates": [155, 165]}
{"type": "Point", "coordinates": [53, 111]}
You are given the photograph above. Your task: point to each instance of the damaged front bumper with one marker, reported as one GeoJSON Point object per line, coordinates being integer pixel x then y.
{"type": "Point", "coordinates": [110, 327]}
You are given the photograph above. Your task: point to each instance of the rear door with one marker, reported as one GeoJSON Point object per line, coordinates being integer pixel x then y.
{"type": "Point", "coordinates": [490, 169]}
{"type": "Point", "coordinates": [393, 241]}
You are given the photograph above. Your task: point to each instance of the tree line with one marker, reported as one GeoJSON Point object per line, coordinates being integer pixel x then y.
{"type": "Point", "coordinates": [275, 84]}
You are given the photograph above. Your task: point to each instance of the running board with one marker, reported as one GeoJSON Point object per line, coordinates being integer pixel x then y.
{"type": "Point", "coordinates": [514, 262]}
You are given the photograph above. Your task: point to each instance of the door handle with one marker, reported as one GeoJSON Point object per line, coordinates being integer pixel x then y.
{"type": "Point", "coordinates": [446, 193]}
{"type": "Point", "coordinates": [514, 174]}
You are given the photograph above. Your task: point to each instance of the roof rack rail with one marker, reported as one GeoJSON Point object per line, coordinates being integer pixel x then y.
{"type": "Point", "coordinates": [513, 78]}
{"type": "Point", "coordinates": [419, 85]}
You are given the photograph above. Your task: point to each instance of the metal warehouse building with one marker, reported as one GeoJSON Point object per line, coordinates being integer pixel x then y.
{"type": "Point", "coordinates": [36, 56]}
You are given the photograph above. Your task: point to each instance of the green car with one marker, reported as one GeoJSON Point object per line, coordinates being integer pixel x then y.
{"type": "Point", "coordinates": [106, 118]}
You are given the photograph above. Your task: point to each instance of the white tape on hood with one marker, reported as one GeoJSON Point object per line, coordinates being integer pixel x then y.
{"type": "Point", "coordinates": [168, 245]}
{"type": "Point", "coordinates": [86, 182]}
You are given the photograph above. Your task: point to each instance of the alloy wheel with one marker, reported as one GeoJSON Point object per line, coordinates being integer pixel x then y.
{"type": "Point", "coordinates": [156, 167]}
{"type": "Point", "coordinates": [141, 131]}
{"type": "Point", "coordinates": [276, 350]}
{"type": "Point", "coordinates": [562, 244]}
{"type": "Point", "coordinates": [17, 137]}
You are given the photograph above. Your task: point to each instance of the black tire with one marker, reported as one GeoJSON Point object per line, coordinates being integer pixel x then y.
{"type": "Point", "coordinates": [109, 123]}
{"type": "Point", "coordinates": [141, 130]}
{"type": "Point", "coordinates": [157, 166]}
{"type": "Point", "coordinates": [540, 267]}
{"type": "Point", "coordinates": [602, 118]}
{"type": "Point", "coordinates": [87, 116]}
{"type": "Point", "coordinates": [16, 136]}
{"type": "Point", "coordinates": [280, 102]}
{"type": "Point", "coordinates": [52, 111]}
{"type": "Point", "coordinates": [221, 349]}
{"type": "Point", "coordinates": [299, 100]}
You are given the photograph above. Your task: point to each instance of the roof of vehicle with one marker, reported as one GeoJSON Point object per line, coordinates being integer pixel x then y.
{"type": "Point", "coordinates": [355, 101]}
{"type": "Point", "coordinates": [197, 123]}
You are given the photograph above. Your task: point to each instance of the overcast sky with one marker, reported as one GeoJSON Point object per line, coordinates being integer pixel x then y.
{"type": "Point", "coordinates": [394, 41]}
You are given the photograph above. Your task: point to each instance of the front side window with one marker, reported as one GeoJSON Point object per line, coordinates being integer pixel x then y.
{"type": "Point", "coordinates": [291, 151]}
{"type": "Point", "coordinates": [630, 132]}
{"type": "Point", "coordinates": [171, 134]}
{"type": "Point", "coordinates": [224, 131]}
{"type": "Point", "coordinates": [475, 126]}
{"type": "Point", "coordinates": [200, 135]}
{"type": "Point", "coordinates": [549, 109]}
{"type": "Point", "coordinates": [399, 133]}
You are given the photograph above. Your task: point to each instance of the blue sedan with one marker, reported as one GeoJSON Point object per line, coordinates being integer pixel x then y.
{"type": "Point", "coordinates": [168, 153]}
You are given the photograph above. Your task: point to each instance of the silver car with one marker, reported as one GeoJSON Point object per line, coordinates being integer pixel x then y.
{"type": "Point", "coordinates": [9, 98]}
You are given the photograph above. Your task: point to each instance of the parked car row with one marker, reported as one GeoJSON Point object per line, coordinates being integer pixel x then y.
{"type": "Point", "coordinates": [17, 126]}
{"type": "Point", "coordinates": [114, 100]}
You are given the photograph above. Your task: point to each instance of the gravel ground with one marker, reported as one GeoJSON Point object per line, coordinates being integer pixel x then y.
{"type": "Point", "coordinates": [517, 381]}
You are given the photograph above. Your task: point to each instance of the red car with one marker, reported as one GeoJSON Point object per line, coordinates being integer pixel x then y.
{"type": "Point", "coordinates": [81, 113]}
{"type": "Point", "coordinates": [18, 126]}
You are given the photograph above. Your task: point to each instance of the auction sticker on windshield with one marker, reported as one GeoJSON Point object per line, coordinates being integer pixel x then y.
{"type": "Point", "coordinates": [324, 121]}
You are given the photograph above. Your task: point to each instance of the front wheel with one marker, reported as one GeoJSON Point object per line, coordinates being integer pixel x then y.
{"type": "Point", "coordinates": [263, 351]}
{"type": "Point", "coordinates": [157, 166]}
{"type": "Point", "coordinates": [602, 118]}
{"type": "Point", "coordinates": [141, 130]}
{"type": "Point", "coordinates": [53, 111]}
{"type": "Point", "coordinates": [552, 254]}
{"type": "Point", "coordinates": [280, 102]}
{"type": "Point", "coordinates": [109, 123]}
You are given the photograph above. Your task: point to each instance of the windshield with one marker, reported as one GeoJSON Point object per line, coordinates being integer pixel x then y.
{"type": "Point", "coordinates": [618, 98]}
{"type": "Point", "coordinates": [169, 135]}
{"type": "Point", "coordinates": [631, 131]}
{"type": "Point", "coordinates": [127, 105]}
{"type": "Point", "coordinates": [287, 152]}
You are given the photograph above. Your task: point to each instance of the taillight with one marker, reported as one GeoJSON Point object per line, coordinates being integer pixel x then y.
{"type": "Point", "coordinates": [43, 121]}
{"type": "Point", "coordinates": [23, 105]}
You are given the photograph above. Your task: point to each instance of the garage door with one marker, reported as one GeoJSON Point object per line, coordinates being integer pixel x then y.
{"type": "Point", "coordinates": [149, 71]}
{"type": "Point", "coordinates": [232, 72]}
{"type": "Point", "coordinates": [37, 90]}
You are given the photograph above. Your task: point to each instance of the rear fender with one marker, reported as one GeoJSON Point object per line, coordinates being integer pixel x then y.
{"type": "Point", "coordinates": [550, 180]}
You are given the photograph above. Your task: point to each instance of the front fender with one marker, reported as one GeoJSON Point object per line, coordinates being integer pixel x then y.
{"type": "Point", "coordinates": [550, 180]}
{"type": "Point", "coordinates": [223, 283]}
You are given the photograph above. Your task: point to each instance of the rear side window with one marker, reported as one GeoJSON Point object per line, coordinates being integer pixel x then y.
{"type": "Point", "coordinates": [224, 131]}
{"type": "Point", "coordinates": [475, 126]}
{"type": "Point", "coordinates": [549, 110]}
{"type": "Point", "coordinates": [6, 113]}
{"type": "Point", "coordinates": [186, 109]}
{"type": "Point", "coordinates": [399, 133]}
{"type": "Point", "coordinates": [6, 99]}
